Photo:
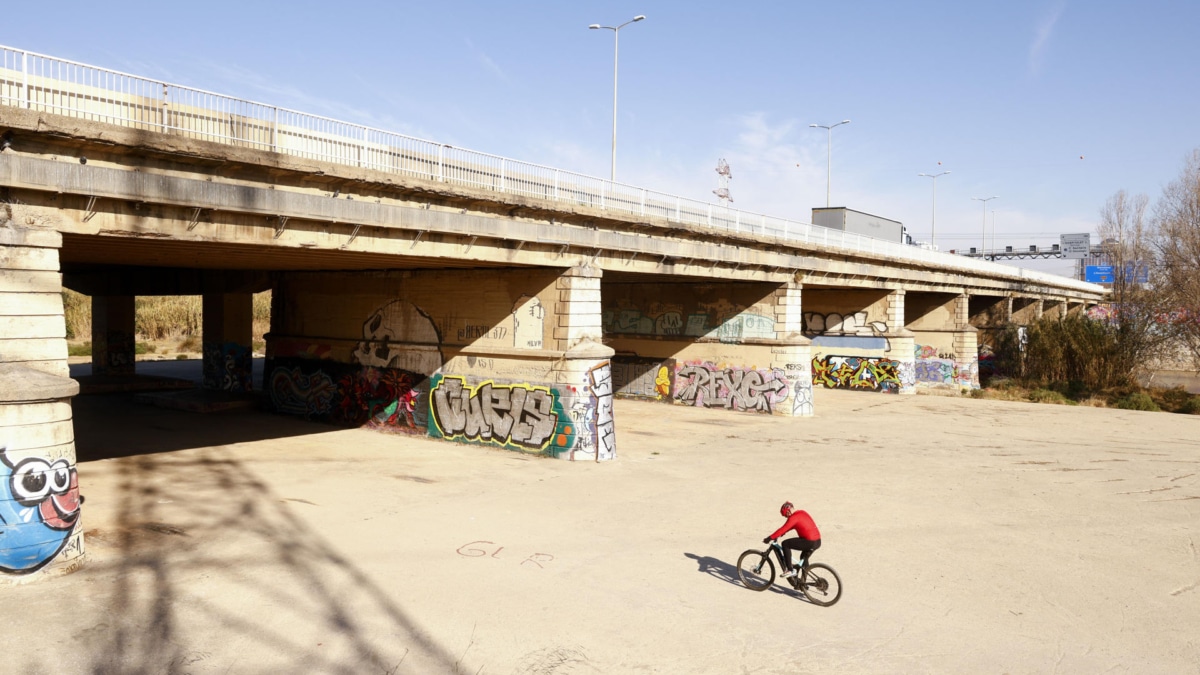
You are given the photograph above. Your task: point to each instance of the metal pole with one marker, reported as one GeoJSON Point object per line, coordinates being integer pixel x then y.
{"type": "Point", "coordinates": [933, 218]}
{"type": "Point", "coordinates": [828, 165]}
{"type": "Point", "coordinates": [983, 234]}
{"type": "Point", "coordinates": [25, 78]}
{"type": "Point", "coordinates": [613, 173]}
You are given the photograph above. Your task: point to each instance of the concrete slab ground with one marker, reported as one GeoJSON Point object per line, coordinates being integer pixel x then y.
{"type": "Point", "coordinates": [972, 536]}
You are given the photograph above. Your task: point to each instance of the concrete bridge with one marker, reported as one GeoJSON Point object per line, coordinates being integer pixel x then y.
{"type": "Point", "coordinates": [427, 289]}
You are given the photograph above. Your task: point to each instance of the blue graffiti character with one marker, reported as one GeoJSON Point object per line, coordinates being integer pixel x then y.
{"type": "Point", "coordinates": [39, 508]}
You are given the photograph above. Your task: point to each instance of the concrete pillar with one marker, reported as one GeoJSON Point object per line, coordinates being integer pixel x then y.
{"type": "Point", "coordinates": [40, 530]}
{"type": "Point", "coordinates": [113, 347]}
{"type": "Point", "coordinates": [226, 341]}
{"type": "Point", "coordinates": [966, 345]}
{"type": "Point", "coordinates": [586, 367]}
{"type": "Point", "coordinates": [577, 314]}
{"type": "Point", "coordinates": [793, 354]}
{"type": "Point", "coordinates": [901, 344]}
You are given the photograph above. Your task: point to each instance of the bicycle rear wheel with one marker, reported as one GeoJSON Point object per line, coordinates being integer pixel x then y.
{"type": "Point", "coordinates": [756, 570]}
{"type": "Point", "coordinates": [822, 586]}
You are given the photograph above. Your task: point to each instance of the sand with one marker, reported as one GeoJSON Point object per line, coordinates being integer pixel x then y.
{"type": "Point", "coordinates": [972, 536]}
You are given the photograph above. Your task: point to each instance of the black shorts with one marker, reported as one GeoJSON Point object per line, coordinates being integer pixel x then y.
{"type": "Point", "coordinates": [805, 546]}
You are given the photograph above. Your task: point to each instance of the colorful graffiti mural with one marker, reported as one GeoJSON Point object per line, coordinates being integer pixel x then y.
{"type": "Point", "coordinates": [39, 509]}
{"type": "Point", "coordinates": [387, 399]}
{"type": "Point", "coordinates": [228, 366]}
{"type": "Point", "coordinates": [704, 384]}
{"type": "Point", "coordinates": [859, 372]}
{"type": "Point", "coordinates": [518, 416]}
{"type": "Point", "coordinates": [636, 377]}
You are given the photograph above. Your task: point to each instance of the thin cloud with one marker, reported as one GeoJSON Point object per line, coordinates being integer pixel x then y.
{"type": "Point", "coordinates": [487, 62]}
{"type": "Point", "coordinates": [1041, 37]}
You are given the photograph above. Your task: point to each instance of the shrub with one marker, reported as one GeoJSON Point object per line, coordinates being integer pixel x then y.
{"type": "Point", "coordinates": [1138, 401]}
{"type": "Point", "coordinates": [189, 344]}
{"type": "Point", "coordinates": [84, 349]}
{"type": "Point", "coordinates": [1191, 406]}
{"type": "Point", "coordinates": [144, 348]}
{"type": "Point", "coordinates": [1049, 396]}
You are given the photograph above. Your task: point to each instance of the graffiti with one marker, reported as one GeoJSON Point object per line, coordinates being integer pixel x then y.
{"type": "Point", "coordinates": [707, 385]}
{"type": "Point", "coordinates": [520, 415]}
{"type": "Point", "coordinates": [228, 366]}
{"type": "Point", "coordinates": [843, 324]}
{"type": "Point", "coordinates": [935, 371]}
{"type": "Point", "coordinates": [987, 362]}
{"type": "Point", "coordinates": [658, 320]}
{"type": "Point", "coordinates": [601, 386]}
{"type": "Point", "coordinates": [908, 377]}
{"type": "Point", "coordinates": [643, 378]}
{"type": "Point", "coordinates": [529, 320]}
{"type": "Point", "coordinates": [474, 552]}
{"type": "Point", "coordinates": [380, 398]}
{"type": "Point", "coordinates": [39, 508]}
{"type": "Point", "coordinates": [120, 350]}
{"type": "Point", "coordinates": [477, 332]}
{"type": "Point", "coordinates": [746, 325]}
{"type": "Point", "coordinates": [802, 403]}
{"type": "Point", "coordinates": [296, 393]}
{"type": "Point", "coordinates": [928, 352]}
{"type": "Point", "coordinates": [857, 372]}
{"type": "Point", "coordinates": [386, 399]}
{"type": "Point", "coordinates": [400, 335]}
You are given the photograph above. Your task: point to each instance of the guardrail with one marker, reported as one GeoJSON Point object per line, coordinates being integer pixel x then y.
{"type": "Point", "coordinates": [39, 82]}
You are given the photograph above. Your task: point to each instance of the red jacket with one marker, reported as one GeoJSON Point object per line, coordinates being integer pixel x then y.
{"type": "Point", "coordinates": [802, 523]}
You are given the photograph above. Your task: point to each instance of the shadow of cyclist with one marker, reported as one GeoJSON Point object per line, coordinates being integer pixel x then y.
{"type": "Point", "coordinates": [722, 570]}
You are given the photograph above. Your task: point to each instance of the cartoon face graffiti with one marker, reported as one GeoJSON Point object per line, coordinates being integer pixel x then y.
{"type": "Point", "coordinates": [39, 507]}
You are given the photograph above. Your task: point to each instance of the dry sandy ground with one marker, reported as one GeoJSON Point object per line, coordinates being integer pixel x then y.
{"type": "Point", "coordinates": [972, 537]}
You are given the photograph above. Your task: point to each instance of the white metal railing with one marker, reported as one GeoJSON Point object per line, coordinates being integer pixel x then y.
{"type": "Point", "coordinates": [39, 82]}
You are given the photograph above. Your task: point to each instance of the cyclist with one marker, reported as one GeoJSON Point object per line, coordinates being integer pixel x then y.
{"type": "Point", "coordinates": [807, 539]}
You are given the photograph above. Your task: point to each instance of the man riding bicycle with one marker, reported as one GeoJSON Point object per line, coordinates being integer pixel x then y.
{"type": "Point", "coordinates": [807, 539]}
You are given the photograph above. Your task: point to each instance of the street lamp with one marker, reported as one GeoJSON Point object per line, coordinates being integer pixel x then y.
{"type": "Point", "coordinates": [828, 153]}
{"type": "Point", "coordinates": [616, 35]}
{"type": "Point", "coordinates": [983, 238]}
{"type": "Point", "coordinates": [933, 224]}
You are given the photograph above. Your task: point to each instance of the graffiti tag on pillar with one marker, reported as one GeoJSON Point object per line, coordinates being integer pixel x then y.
{"type": "Point", "coordinates": [843, 324]}
{"type": "Point", "coordinates": [518, 414]}
{"type": "Point", "coordinates": [857, 372]}
{"type": "Point", "coordinates": [706, 385]}
{"type": "Point", "coordinates": [39, 508]}
{"type": "Point", "coordinates": [228, 366]}
{"type": "Point", "coordinates": [602, 396]}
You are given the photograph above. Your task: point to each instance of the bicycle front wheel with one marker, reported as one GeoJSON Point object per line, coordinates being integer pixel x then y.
{"type": "Point", "coordinates": [822, 586]}
{"type": "Point", "coordinates": [756, 570]}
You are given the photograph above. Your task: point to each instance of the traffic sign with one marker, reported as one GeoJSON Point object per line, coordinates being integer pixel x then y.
{"type": "Point", "coordinates": [1075, 245]}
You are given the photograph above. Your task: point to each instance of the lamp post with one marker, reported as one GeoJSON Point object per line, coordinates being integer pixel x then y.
{"type": "Point", "coordinates": [616, 36]}
{"type": "Point", "coordinates": [983, 237]}
{"type": "Point", "coordinates": [933, 223]}
{"type": "Point", "coordinates": [828, 153]}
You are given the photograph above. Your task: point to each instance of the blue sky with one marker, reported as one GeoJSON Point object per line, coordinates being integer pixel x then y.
{"type": "Point", "coordinates": [1052, 105]}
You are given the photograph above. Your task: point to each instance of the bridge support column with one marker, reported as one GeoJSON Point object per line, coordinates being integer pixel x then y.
{"type": "Point", "coordinates": [113, 348]}
{"type": "Point", "coordinates": [966, 345]}
{"type": "Point", "coordinates": [42, 534]}
{"type": "Point", "coordinates": [793, 355]}
{"type": "Point", "coordinates": [902, 344]}
{"type": "Point", "coordinates": [226, 343]}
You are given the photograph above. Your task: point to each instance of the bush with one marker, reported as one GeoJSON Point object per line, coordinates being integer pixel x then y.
{"type": "Point", "coordinates": [1138, 401]}
{"type": "Point", "coordinates": [1191, 406]}
{"type": "Point", "coordinates": [1049, 396]}
{"type": "Point", "coordinates": [84, 349]}
{"type": "Point", "coordinates": [144, 348]}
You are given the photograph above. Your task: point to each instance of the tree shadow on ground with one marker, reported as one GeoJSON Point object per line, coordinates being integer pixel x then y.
{"type": "Point", "coordinates": [201, 566]}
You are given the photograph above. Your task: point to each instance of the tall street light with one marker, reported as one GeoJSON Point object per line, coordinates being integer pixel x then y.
{"type": "Point", "coordinates": [616, 36]}
{"type": "Point", "coordinates": [933, 224]}
{"type": "Point", "coordinates": [983, 238]}
{"type": "Point", "coordinates": [828, 153]}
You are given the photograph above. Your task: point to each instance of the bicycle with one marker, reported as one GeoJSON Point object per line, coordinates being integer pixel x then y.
{"type": "Point", "coordinates": [817, 581]}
